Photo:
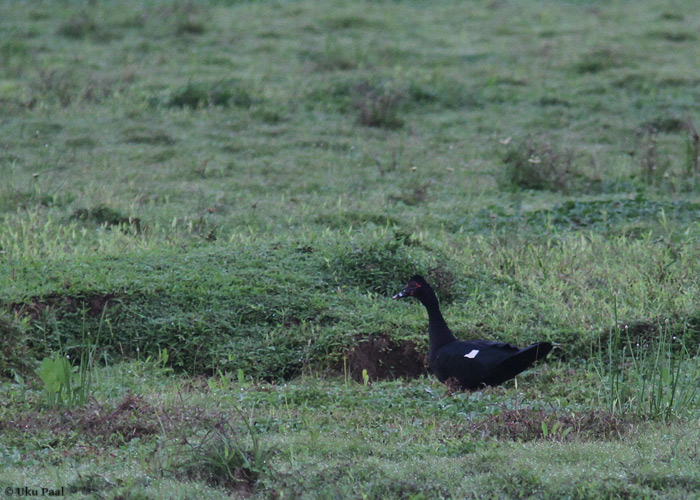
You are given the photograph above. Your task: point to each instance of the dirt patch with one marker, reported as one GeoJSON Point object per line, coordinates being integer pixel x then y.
{"type": "Point", "coordinates": [103, 215]}
{"type": "Point", "coordinates": [129, 419]}
{"type": "Point", "coordinates": [640, 331]}
{"type": "Point", "coordinates": [643, 333]}
{"type": "Point", "coordinates": [528, 425]}
{"type": "Point", "coordinates": [94, 305]}
{"type": "Point", "coordinates": [385, 359]}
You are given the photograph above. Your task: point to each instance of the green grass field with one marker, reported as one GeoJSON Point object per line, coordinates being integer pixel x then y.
{"type": "Point", "coordinates": [206, 207]}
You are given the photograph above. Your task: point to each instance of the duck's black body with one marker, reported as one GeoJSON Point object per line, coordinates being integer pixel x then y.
{"type": "Point", "coordinates": [474, 364]}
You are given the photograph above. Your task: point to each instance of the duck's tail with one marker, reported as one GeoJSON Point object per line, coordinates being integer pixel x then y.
{"type": "Point", "coordinates": [521, 361]}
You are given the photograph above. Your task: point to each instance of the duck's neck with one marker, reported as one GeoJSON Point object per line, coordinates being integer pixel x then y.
{"type": "Point", "coordinates": [438, 330]}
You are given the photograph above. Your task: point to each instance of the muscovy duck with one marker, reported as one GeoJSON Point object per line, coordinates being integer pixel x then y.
{"type": "Point", "coordinates": [475, 363]}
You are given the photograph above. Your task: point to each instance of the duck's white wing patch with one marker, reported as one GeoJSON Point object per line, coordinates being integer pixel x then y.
{"type": "Point", "coordinates": [472, 354]}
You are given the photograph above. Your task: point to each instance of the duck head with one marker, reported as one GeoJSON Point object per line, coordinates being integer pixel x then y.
{"type": "Point", "coordinates": [415, 287]}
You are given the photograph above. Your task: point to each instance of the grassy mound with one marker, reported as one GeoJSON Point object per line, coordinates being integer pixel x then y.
{"type": "Point", "coordinates": [272, 309]}
{"type": "Point", "coordinates": [266, 308]}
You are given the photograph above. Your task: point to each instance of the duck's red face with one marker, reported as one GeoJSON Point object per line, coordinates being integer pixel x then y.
{"type": "Point", "coordinates": [410, 290]}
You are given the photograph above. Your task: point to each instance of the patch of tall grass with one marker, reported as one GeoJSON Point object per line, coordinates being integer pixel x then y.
{"type": "Point", "coordinates": [68, 384]}
{"type": "Point", "coordinates": [225, 455]}
{"type": "Point", "coordinates": [649, 379]}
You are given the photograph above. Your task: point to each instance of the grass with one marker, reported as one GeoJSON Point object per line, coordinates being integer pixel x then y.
{"type": "Point", "coordinates": [491, 443]}
{"type": "Point", "coordinates": [210, 204]}
{"type": "Point", "coordinates": [653, 376]}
